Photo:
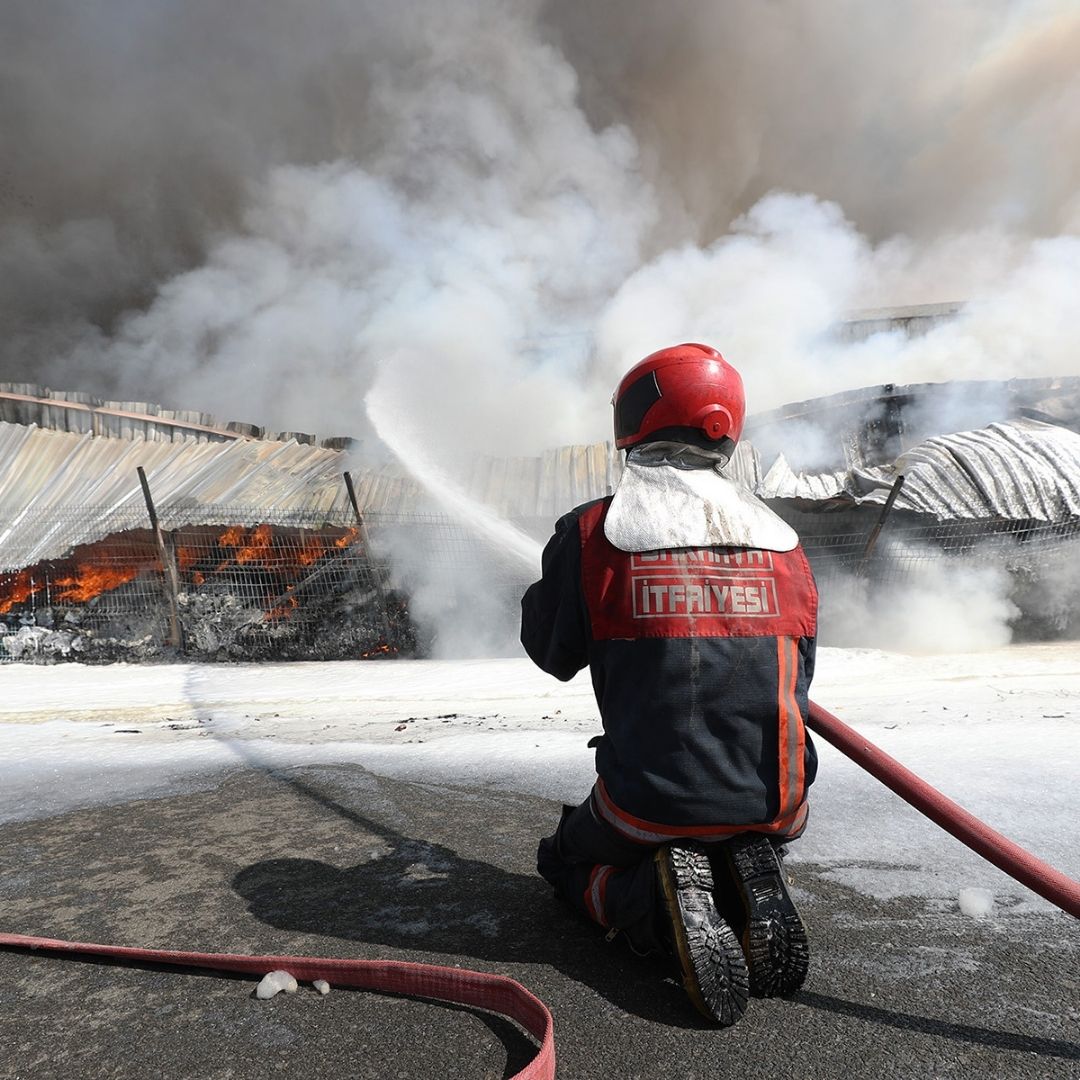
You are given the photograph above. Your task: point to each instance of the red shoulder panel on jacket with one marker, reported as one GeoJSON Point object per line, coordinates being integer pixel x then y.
{"type": "Point", "coordinates": [693, 592]}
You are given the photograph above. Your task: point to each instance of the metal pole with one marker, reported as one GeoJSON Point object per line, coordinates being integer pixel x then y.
{"type": "Point", "coordinates": [168, 565]}
{"type": "Point", "coordinates": [376, 577]}
{"type": "Point", "coordinates": [871, 540]}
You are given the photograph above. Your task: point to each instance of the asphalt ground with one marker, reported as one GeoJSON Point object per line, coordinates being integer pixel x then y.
{"type": "Point", "coordinates": [335, 861]}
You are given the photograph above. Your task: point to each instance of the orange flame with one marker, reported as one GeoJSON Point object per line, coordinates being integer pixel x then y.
{"type": "Point", "coordinates": [279, 557]}
{"type": "Point", "coordinates": [19, 590]}
{"type": "Point", "coordinates": [254, 545]}
{"type": "Point", "coordinates": [311, 551]}
{"type": "Point", "coordinates": [282, 611]}
{"type": "Point", "coordinates": [232, 537]}
{"type": "Point", "coordinates": [258, 546]}
{"type": "Point", "coordinates": [90, 580]}
{"type": "Point", "coordinates": [384, 649]}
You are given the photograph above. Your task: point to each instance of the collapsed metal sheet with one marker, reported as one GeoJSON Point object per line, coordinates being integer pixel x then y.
{"type": "Point", "coordinates": [60, 489]}
{"type": "Point", "coordinates": [1015, 470]}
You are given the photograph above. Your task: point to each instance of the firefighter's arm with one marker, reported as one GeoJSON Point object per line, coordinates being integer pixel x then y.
{"type": "Point", "coordinates": [554, 626]}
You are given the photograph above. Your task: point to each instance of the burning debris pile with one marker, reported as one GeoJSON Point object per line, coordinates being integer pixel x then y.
{"type": "Point", "coordinates": [255, 548]}
{"type": "Point", "coordinates": [241, 593]}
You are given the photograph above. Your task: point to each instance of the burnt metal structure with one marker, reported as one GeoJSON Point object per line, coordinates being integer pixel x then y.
{"type": "Point", "coordinates": [257, 549]}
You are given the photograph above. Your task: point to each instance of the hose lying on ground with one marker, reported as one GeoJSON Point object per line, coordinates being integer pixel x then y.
{"type": "Point", "coordinates": [1038, 876]}
{"type": "Point", "coordinates": [478, 989]}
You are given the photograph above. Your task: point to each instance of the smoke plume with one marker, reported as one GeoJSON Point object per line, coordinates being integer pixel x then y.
{"type": "Point", "coordinates": [941, 606]}
{"type": "Point", "coordinates": [210, 206]}
{"type": "Point", "coordinates": [485, 211]}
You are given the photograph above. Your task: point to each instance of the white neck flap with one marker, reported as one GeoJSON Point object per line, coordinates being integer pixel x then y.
{"type": "Point", "coordinates": [659, 506]}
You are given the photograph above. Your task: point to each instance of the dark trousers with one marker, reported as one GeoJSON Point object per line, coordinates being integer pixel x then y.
{"type": "Point", "coordinates": [603, 875]}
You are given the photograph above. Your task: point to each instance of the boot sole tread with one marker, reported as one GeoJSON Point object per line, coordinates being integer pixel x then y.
{"type": "Point", "coordinates": [713, 966]}
{"type": "Point", "coordinates": [775, 940]}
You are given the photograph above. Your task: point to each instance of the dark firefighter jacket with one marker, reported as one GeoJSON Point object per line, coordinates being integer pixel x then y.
{"type": "Point", "coordinates": [701, 661]}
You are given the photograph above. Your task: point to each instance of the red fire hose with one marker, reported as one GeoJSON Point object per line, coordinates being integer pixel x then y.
{"type": "Point", "coordinates": [497, 993]}
{"type": "Point", "coordinates": [1038, 876]}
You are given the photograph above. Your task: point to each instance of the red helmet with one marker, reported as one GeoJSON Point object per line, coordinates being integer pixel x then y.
{"type": "Point", "coordinates": [687, 393]}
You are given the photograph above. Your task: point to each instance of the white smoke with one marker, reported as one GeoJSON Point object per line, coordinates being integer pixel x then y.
{"type": "Point", "coordinates": [489, 215]}
{"type": "Point", "coordinates": [940, 606]}
{"type": "Point", "coordinates": [487, 211]}
{"type": "Point", "coordinates": [774, 289]}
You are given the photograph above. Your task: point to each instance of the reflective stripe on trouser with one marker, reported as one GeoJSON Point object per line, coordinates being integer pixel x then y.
{"type": "Point", "coordinates": [598, 872]}
{"type": "Point", "coordinates": [596, 893]}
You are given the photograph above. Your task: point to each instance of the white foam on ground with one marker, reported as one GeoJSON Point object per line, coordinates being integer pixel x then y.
{"type": "Point", "coordinates": [976, 903]}
{"type": "Point", "coordinates": [996, 731]}
{"type": "Point", "coordinates": [273, 983]}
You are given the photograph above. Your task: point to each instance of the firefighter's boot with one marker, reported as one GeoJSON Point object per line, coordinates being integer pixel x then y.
{"type": "Point", "coordinates": [708, 952]}
{"type": "Point", "coordinates": [755, 899]}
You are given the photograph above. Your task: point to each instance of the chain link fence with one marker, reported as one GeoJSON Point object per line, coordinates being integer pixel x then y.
{"type": "Point", "coordinates": [837, 544]}
{"type": "Point", "coordinates": [313, 586]}
{"type": "Point", "coordinates": [1031, 565]}
{"type": "Point", "coordinates": [253, 584]}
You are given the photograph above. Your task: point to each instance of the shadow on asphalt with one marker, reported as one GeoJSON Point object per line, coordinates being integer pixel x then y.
{"type": "Point", "coordinates": [410, 894]}
{"type": "Point", "coordinates": [1002, 1040]}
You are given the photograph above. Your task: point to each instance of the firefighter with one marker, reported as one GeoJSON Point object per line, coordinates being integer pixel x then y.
{"type": "Point", "coordinates": [695, 609]}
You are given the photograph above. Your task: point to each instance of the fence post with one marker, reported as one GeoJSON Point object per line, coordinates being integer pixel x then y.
{"type": "Point", "coordinates": [376, 577]}
{"type": "Point", "coordinates": [168, 565]}
{"type": "Point", "coordinates": [898, 483]}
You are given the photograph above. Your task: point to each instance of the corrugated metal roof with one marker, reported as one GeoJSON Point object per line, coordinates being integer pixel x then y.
{"type": "Point", "coordinates": [547, 486]}
{"type": "Point", "coordinates": [871, 426]}
{"type": "Point", "coordinates": [1016, 470]}
{"type": "Point", "coordinates": [59, 489]}
{"type": "Point", "coordinates": [516, 487]}
{"type": "Point", "coordinates": [782, 482]}
{"type": "Point", "coordinates": [73, 411]}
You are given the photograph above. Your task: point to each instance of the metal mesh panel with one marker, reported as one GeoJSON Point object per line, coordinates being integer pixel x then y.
{"type": "Point", "coordinates": [908, 543]}
{"type": "Point", "coordinates": [316, 586]}
{"type": "Point", "coordinates": [1032, 565]}
{"type": "Point", "coordinates": [99, 598]}
{"type": "Point", "coordinates": [302, 585]}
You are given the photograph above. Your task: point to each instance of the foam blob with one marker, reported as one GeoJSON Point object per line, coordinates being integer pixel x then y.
{"type": "Point", "coordinates": [976, 903]}
{"type": "Point", "coordinates": [273, 983]}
